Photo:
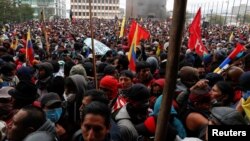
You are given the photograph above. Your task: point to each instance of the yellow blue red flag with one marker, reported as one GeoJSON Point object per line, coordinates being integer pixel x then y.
{"type": "Point", "coordinates": [132, 52]}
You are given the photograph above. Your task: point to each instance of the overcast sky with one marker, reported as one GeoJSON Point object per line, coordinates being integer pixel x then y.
{"type": "Point", "coordinates": [194, 4]}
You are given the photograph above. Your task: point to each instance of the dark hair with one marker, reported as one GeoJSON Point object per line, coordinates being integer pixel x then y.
{"type": "Point", "coordinates": [56, 66]}
{"type": "Point", "coordinates": [226, 89]}
{"type": "Point", "coordinates": [67, 67]}
{"type": "Point", "coordinates": [35, 117]}
{"type": "Point", "coordinates": [123, 62]}
{"type": "Point", "coordinates": [97, 95]}
{"type": "Point", "coordinates": [69, 84]}
{"type": "Point", "coordinates": [98, 108]}
{"type": "Point", "coordinates": [141, 65]}
{"type": "Point", "coordinates": [101, 66]}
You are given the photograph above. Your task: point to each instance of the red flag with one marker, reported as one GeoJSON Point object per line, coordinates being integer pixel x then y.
{"type": "Point", "coordinates": [142, 33]}
{"type": "Point", "coordinates": [132, 51]}
{"type": "Point", "coordinates": [194, 42]}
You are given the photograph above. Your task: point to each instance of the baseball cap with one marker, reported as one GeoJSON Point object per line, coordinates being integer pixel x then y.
{"type": "Point", "coordinates": [50, 99]}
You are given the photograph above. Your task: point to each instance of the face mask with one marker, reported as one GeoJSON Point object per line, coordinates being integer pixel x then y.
{"type": "Point", "coordinates": [54, 114]}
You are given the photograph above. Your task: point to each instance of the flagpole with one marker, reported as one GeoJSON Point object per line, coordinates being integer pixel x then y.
{"type": "Point", "coordinates": [179, 14]}
{"type": "Point", "coordinates": [45, 32]}
{"type": "Point", "coordinates": [26, 49]}
{"type": "Point", "coordinates": [92, 43]}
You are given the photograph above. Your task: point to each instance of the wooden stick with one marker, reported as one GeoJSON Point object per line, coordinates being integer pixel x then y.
{"type": "Point", "coordinates": [176, 32]}
{"type": "Point", "coordinates": [92, 43]}
{"type": "Point", "coordinates": [45, 33]}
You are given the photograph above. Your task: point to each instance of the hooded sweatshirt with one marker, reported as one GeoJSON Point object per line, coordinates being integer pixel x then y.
{"type": "Point", "coordinates": [48, 126]}
{"type": "Point", "coordinates": [80, 84]}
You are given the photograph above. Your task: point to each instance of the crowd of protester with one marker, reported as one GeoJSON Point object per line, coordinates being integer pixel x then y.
{"type": "Point", "coordinates": [55, 97]}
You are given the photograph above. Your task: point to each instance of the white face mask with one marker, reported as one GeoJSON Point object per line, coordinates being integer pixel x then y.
{"type": "Point", "coordinates": [3, 129]}
{"type": "Point", "coordinates": [69, 97]}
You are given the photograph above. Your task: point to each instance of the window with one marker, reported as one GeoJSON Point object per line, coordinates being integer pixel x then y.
{"type": "Point", "coordinates": [79, 1]}
{"type": "Point", "coordinates": [83, 13]}
{"type": "Point", "coordinates": [94, 14]}
{"type": "Point", "coordinates": [106, 8]}
{"type": "Point", "coordinates": [80, 14]}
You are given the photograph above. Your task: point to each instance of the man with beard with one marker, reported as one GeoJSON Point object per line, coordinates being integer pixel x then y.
{"type": "Point", "coordinates": [134, 112]}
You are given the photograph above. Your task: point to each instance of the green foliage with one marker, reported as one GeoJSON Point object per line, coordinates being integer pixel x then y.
{"type": "Point", "coordinates": [14, 11]}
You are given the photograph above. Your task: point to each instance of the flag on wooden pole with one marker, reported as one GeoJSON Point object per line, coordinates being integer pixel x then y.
{"type": "Point", "coordinates": [194, 42]}
{"type": "Point", "coordinates": [122, 27]}
{"type": "Point", "coordinates": [29, 49]}
{"type": "Point", "coordinates": [231, 37]}
{"type": "Point", "coordinates": [225, 64]}
{"type": "Point", "coordinates": [132, 52]}
{"type": "Point", "coordinates": [143, 33]}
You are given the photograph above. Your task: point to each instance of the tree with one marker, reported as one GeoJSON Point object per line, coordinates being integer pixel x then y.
{"type": "Point", "coordinates": [5, 6]}
{"type": "Point", "coordinates": [14, 11]}
{"type": "Point", "coordinates": [26, 12]}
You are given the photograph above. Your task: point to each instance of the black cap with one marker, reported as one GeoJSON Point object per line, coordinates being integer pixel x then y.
{"type": "Point", "coordinates": [138, 92]}
{"type": "Point", "coordinates": [50, 99]}
{"type": "Point", "coordinates": [228, 116]}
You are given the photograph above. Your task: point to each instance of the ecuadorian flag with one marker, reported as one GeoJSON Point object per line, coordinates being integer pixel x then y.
{"type": "Point", "coordinates": [29, 49]}
{"type": "Point", "coordinates": [132, 51]}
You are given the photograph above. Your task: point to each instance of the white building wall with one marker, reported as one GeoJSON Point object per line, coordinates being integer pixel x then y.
{"type": "Point", "coordinates": [106, 9]}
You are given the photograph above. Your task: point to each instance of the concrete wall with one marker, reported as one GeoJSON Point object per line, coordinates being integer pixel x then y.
{"type": "Point", "coordinates": [145, 8]}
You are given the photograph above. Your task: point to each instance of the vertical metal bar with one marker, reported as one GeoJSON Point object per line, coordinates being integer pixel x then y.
{"type": "Point", "coordinates": [245, 13]}
{"type": "Point", "coordinates": [232, 13]}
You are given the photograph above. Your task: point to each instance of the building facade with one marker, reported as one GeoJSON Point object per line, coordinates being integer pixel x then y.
{"type": "Point", "coordinates": [146, 8]}
{"type": "Point", "coordinates": [52, 8]}
{"type": "Point", "coordinates": [106, 9]}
